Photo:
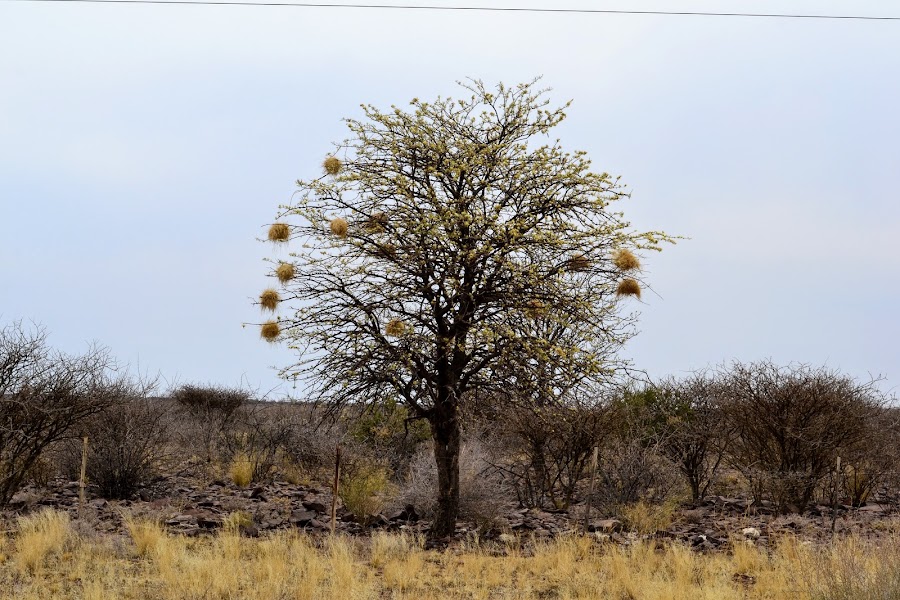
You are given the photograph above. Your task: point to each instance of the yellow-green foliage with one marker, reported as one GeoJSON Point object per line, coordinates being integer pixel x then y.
{"type": "Point", "coordinates": [365, 490]}
{"type": "Point", "coordinates": [285, 272]}
{"type": "Point", "coordinates": [279, 232]}
{"type": "Point", "coordinates": [269, 299]}
{"type": "Point", "coordinates": [269, 331]}
{"type": "Point", "coordinates": [625, 260]}
{"type": "Point", "coordinates": [332, 165]}
{"type": "Point", "coordinates": [629, 287]}
{"type": "Point", "coordinates": [385, 423]}
{"type": "Point", "coordinates": [42, 536]}
{"type": "Point", "coordinates": [241, 470]}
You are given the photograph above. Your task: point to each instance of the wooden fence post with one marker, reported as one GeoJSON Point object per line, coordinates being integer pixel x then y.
{"type": "Point", "coordinates": [335, 488]}
{"type": "Point", "coordinates": [82, 480]}
{"type": "Point", "coordinates": [590, 498]}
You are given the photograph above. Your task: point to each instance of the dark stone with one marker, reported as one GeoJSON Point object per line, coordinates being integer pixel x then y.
{"type": "Point", "coordinates": [319, 507]}
{"type": "Point", "coordinates": [250, 531]}
{"type": "Point", "coordinates": [300, 518]}
{"type": "Point", "coordinates": [408, 514]}
{"type": "Point", "coordinates": [208, 522]}
{"type": "Point", "coordinates": [378, 521]}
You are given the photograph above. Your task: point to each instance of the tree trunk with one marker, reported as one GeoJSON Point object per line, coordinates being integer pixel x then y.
{"type": "Point", "coordinates": [446, 433]}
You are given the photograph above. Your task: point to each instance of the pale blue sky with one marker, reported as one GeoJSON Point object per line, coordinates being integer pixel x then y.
{"type": "Point", "coordinates": [143, 149]}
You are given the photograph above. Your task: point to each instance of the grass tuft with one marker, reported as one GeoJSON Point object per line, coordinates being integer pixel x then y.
{"type": "Point", "coordinates": [41, 536]}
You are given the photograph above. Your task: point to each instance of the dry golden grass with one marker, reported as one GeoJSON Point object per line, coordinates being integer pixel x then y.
{"type": "Point", "coordinates": [269, 331]}
{"type": "Point", "coordinates": [625, 260]}
{"type": "Point", "coordinates": [147, 536]}
{"type": "Point", "coordinates": [339, 226]}
{"type": "Point", "coordinates": [241, 470]}
{"type": "Point", "coordinates": [290, 566]}
{"type": "Point", "coordinates": [279, 232]}
{"type": "Point", "coordinates": [42, 536]}
{"type": "Point", "coordinates": [269, 299]}
{"type": "Point", "coordinates": [645, 518]}
{"type": "Point", "coordinates": [629, 287]}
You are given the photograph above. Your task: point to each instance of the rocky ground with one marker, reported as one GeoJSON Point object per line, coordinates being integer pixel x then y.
{"type": "Point", "coordinates": [190, 508]}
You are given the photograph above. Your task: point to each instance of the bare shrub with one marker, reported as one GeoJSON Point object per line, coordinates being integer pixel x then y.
{"type": "Point", "coordinates": [791, 423]}
{"type": "Point", "coordinates": [684, 418]}
{"type": "Point", "coordinates": [211, 411]}
{"type": "Point", "coordinates": [44, 396]}
{"type": "Point", "coordinates": [261, 434]}
{"type": "Point", "coordinates": [870, 468]}
{"type": "Point", "coordinates": [481, 491]}
{"type": "Point", "coordinates": [128, 445]}
{"type": "Point", "coordinates": [388, 431]}
{"type": "Point", "coordinates": [631, 471]}
{"type": "Point", "coordinates": [549, 449]}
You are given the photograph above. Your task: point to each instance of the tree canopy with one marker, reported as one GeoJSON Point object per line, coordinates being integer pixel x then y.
{"type": "Point", "coordinates": [445, 253]}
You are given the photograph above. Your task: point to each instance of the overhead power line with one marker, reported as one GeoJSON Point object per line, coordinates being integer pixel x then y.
{"type": "Point", "coordinates": [485, 9]}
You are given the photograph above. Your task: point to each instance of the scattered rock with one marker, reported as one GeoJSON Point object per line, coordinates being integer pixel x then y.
{"type": "Point", "coordinates": [319, 507]}
{"type": "Point", "coordinates": [408, 514]}
{"type": "Point", "coordinates": [605, 526]}
{"type": "Point", "coordinates": [301, 518]}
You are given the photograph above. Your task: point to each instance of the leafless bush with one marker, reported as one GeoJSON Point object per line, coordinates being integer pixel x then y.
{"type": "Point", "coordinates": [481, 490]}
{"type": "Point", "coordinates": [791, 423]}
{"type": "Point", "coordinates": [211, 411]}
{"type": "Point", "coordinates": [684, 419]}
{"type": "Point", "coordinates": [263, 433]}
{"type": "Point", "coordinates": [44, 396]}
{"type": "Point", "coordinates": [128, 445]}
{"type": "Point", "coordinates": [631, 471]}
{"type": "Point", "coordinates": [549, 448]}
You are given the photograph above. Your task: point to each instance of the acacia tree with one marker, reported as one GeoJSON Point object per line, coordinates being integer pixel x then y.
{"type": "Point", "coordinates": [432, 235]}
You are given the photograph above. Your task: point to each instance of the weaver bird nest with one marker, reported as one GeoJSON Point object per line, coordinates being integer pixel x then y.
{"type": "Point", "coordinates": [279, 232]}
{"type": "Point", "coordinates": [625, 260]}
{"type": "Point", "coordinates": [339, 227]}
{"type": "Point", "coordinates": [395, 328]}
{"type": "Point", "coordinates": [376, 223]}
{"type": "Point", "coordinates": [578, 262]}
{"type": "Point", "coordinates": [269, 299]}
{"type": "Point", "coordinates": [332, 165]}
{"type": "Point", "coordinates": [269, 331]}
{"type": "Point", "coordinates": [285, 272]}
{"type": "Point", "coordinates": [629, 287]}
